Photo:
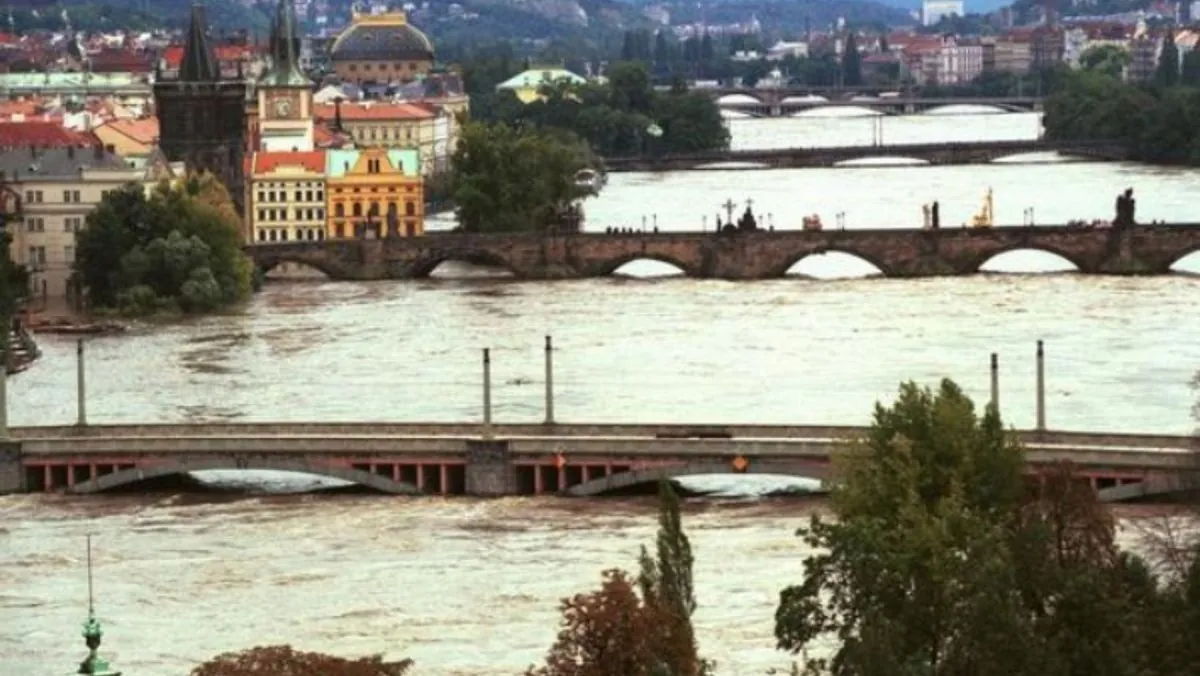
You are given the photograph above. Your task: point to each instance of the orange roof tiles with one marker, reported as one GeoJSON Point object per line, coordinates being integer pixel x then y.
{"type": "Point", "coordinates": [373, 111]}
{"type": "Point", "coordinates": [43, 134]}
{"type": "Point", "coordinates": [144, 130]}
{"type": "Point", "coordinates": [174, 54]}
{"type": "Point", "coordinates": [310, 160]}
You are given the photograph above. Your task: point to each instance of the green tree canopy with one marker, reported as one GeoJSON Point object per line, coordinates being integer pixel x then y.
{"type": "Point", "coordinates": [943, 558]}
{"type": "Point", "coordinates": [507, 179]}
{"type": "Point", "coordinates": [176, 249]}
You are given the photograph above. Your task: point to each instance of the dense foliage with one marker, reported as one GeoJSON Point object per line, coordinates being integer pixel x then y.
{"type": "Point", "coordinates": [14, 284]}
{"type": "Point", "coordinates": [177, 250]}
{"type": "Point", "coordinates": [135, 15]}
{"type": "Point", "coordinates": [943, 560]}
{"type": "Point", "coordinates": [631, 627]}
{"type": "Point", "coordinates": [619, 117]}
{"type": "Point", "coordinates": [509, 179]}
{"type": "Point", "coordinates": [285, 661]}
{"type": "Point", "coordinates": [1158, 123]}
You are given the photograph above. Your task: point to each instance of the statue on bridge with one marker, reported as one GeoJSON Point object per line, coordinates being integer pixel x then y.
{"type": "Point", "coordinates": [747, 222]}
{"type": "Point", "coordinates": [1125, 210]}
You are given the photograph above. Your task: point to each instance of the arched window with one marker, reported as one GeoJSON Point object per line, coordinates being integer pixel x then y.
{"type": "Point", "coordinates": [340, 210]}
{"type": "Point", "coordinates": [410, 209]}
{"type": "Point", "coordinates": [357, 209]}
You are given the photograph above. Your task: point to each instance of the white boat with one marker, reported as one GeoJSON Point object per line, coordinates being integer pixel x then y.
{"type": "Point", "coordinates": [590, 179]}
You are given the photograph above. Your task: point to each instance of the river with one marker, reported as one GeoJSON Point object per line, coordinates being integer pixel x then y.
{"type": "Point", "coordinates": [470, 587]}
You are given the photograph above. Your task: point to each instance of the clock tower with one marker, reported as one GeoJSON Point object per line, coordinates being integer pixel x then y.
{"type": "Point", "coordinates": [284, 92]}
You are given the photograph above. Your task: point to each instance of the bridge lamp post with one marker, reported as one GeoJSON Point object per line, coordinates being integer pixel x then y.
{"type": "Point", "coordinates": [1041, 388]}
{"type": "Point", "coordinates": [80, 385]}
{"type": "Point", "coordinates": [995, 382]}
{"type": "Point", "coordinates": [549, 381]}
{"type": "Point", "coordinates": [487, 393]}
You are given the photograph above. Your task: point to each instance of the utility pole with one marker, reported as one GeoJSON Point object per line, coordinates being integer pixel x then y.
{"type": "Point", "coordinates": [487, 393]}
{"type": "Point", "coordinates": [549, 381]}
{"type": "Point", "coordinates": [1041, 388]}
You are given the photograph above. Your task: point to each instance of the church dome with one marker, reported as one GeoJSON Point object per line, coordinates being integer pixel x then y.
{"type": "Point", "coordinates": [382, 37]}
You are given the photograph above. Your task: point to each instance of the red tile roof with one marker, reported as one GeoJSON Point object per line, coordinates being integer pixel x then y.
{"type": "Point", "coordinates": [42, 134]}
{"type": "Point", "coordinates": [174, 54]}
{"type": "Point", "coordinates": [324, 137]}
{"type": "Point", "coordinates": [373, 110]}
{"type": "Point", "coordinates": [310, 160]}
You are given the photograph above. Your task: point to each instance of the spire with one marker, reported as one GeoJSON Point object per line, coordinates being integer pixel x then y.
{"type": "Point", "coordinates": [92, 632]}
{"type": "Point", "coordinates": [199, 63]}
{"type": "Point", "coordinates": [285, 61]}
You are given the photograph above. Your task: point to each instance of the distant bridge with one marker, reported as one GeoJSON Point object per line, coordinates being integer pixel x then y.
{"type": "Point", "coordinates": [570, 459]}
{"type": "Point", "coordinates": [975, 152]}
{"type": "Point", "coordinates": [1138, 250]}
{"type": "Point", "coordinates": [776, 103]}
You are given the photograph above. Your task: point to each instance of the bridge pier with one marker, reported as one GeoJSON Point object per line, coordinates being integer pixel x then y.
{"type": "Point", "coordinates": [490, 472]}
{"type": "Point", "coordinates": [12, 470]}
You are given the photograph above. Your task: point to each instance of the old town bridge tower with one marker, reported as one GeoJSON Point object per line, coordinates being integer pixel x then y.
{"type": "Point", "coordinates": [201, 115]}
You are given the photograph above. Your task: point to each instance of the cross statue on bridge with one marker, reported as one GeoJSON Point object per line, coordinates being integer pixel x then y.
{"type": "Point", "coordinates": [749, 202]}
{"type": "Point", "coordinates": [729, 206]}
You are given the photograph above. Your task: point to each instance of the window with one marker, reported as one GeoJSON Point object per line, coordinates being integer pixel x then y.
{"type": "Point", "coordinates": [262, 196]}
{"type": "Point", "coordinates": [271, 235]}
{"type": "Point", "coordinates": [33, 224]}
{"type": "Point", "coordinates": [37, 256]}
{"type": "Point", "coordinates": [262, 235]}
{"type": "Point", "coordinates": [272, 195]}
{"type": "Point", "coordinates": [69, 254]}
{"type": "Point", "coordinates": [320, 214]}
{"type": "Point", "coordinates": [357, 209]}
{"type": "Point", "coordinates": [262, 214]}
{"type": "Point", "coordinates": [321, 196]}
{"type": "Point", "coordinates": [339, 210]}
{"type": "Point", "coordinates": [307, 196]}
{"type": "Point", "coordinates": [298, 196]}
{"type": "Point", "coordinates": [283, 235]}
{"type": "Point", "coordinates": [410, 209]}
{"type": "Point", "coordinates": [73, 223]}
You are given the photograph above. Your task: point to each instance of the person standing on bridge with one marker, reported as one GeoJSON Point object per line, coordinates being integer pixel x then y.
{"type": "Point", "coordinates": [936, 215]}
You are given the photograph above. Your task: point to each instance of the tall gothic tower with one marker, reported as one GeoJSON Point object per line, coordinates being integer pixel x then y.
{"type": "Point", "coordinates": [285, 94]}
{"type": "Point", "coordinates": [202, 117]}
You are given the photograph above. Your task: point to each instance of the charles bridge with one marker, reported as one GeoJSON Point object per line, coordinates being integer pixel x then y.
{"type": "Point", "coordinates": [754, 255]}
{"type": "Point", "coordinates": [975, 152]}
{"type": "Point", "coordinates": [522, 459]}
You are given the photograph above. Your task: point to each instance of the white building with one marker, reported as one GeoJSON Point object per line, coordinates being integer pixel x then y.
{"type": "Point", "coordinates": [932, 11]}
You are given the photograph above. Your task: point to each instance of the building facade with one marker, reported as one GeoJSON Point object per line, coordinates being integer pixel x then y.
{"type": "Point", "coordinates": [287, 196]}
{"type": "Point", "coordinates": [376, 124]}
{"type": "Point", "coordinates": [374, 193]}
{"type": "Point", "coordinates": [380, 48]}
{"type": "Point", "coordinates": [202, 116]}
{"type": "Point", "coordinates": [57, 189]}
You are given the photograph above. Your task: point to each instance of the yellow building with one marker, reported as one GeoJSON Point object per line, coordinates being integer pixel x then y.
{"type": "Point", "coordinates": [376, 124]}
{"type": "Point", "coordinates": [287, 196]}
{"type": "Point", "coordinates": [375, 192]}
{"type": "Point", "coordinates": [380, 48]}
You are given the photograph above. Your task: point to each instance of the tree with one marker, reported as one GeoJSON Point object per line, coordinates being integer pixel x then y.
{"type": "Point", "coordinates": [507, 179]}
{"type": "Point", "coordinates": [176, 249]}
{"type": "Point", "coordinates": [851, 62]}
{"type": "Point", "coordinates": [1167, 74]}
{"type": "Point", "coordinates": [942, 557]}
{"type": "Point", "coordinates": [614, 631]}
{"type": "Point", "coordinates": [1111, 60]}
{"type": "Point", "coordinates": [285, 661]}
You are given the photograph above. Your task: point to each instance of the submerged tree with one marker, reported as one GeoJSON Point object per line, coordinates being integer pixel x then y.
{"type": "Point", "coordinates": [285, 661]}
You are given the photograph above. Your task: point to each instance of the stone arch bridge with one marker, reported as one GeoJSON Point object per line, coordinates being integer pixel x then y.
{"type": "Point", "coordinates": [1139, 250]}
{"type": "Point", "coordinates": [975, 152]}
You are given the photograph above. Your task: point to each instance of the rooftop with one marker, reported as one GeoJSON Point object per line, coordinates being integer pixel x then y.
{"type": "Point", "coordinates": [373, 110]}
{"type": "Point", "coordinates": [56, 163]}
{"type": "Point", "coordinates": [42, 135]}
{"type": "Point", "coordinates": [312, 161]}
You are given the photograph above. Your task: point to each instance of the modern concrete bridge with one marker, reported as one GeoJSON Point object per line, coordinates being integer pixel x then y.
{"type": "Point", "coordinates": [773, 103]}
{"type": "Point", "coordinates": [975, 152]}
{"type": "Point", "coordinates": [742, 255]}
{"type": "Point", "coordinates": [530, 459]}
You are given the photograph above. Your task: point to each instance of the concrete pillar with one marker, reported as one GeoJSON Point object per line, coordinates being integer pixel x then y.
{"type": "Point", "coordinates": [995, 382]}
{"type": "Point", "coordinates": [80, 385]}
{"type": "Point", "coordinates": [1041, 388]}
{"type": "Point", "coordinates": [549, 381]}
{"type": "Point", "coordinates": [4, 394]}
{"type": "Point", "coordinates": [490, 471]}
{"type": "Point", "coordinates": [12, 471]}
{"type": "Point", "coordinates": [487, 393]}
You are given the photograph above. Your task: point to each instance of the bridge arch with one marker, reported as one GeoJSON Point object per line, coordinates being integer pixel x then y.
{"type": "Point", "coordinates": [266, 263]}
{"type": "Point", "coordinates": [791, 261]}
{"type": "Point", "coordinates": [984, 258]}
{"type": "Point", "coordinates": [611, 265]}
{"type": "Point", "coordinates": [135, 475]}
{"type": "Point", "coordinates": [424, 266]}
{"type": "Point", "coordinates": [644, 475]}
{"type": "Point", "coordinates": [1178, 256]}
